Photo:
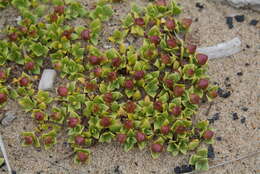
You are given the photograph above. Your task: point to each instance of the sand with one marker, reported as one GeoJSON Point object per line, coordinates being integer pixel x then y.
{"type": "Point", "coordinates": [238, 138]}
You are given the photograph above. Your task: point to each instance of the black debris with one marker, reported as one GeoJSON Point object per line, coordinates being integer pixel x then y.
{"type": "Point", "coordinates": [199, 6]}
{"type": "Point", "coordinates": [229, 22]}
{"type": "Point", "coordinates": [196, 19]}
{"type": "Point", "coordinates": [239, 73]}
{"type": "Point", "coordinates": [223, 94]}
{"type": "Point", "coordinates": [253, 22]}
{"type": "Point", "coordinates": [244, 109]}
{"type": "Point", "coordinates": [117, 170]}
{"type": "Point", "coordinates": [247, 46]}
{"type": "Point", "coordinates": [214, 118]}
{"type": "Point", "coordinates": [240, 18]}
{"type": "Point", "coordinates": [247, 64]}
{"type": "Point", "coordinates": [210, 120]}
{"type": "Point", "coordinates": [211, 153]}
{"type": "Point", "coordinates": [235, 116]}
{"type": "Point", "coordinates": [218, 138]}
{"type": "Point", "coordinates": [227, 78]}
{"type": "Point", "coordinates": [177, 170]}
{"type": "Point", "coordinates": [243, 120]}
{"type": "Point", "coordinates": [184, 169]}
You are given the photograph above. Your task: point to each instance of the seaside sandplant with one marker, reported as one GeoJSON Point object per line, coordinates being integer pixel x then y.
{"type": "Point", "coordinates": [140, 96]}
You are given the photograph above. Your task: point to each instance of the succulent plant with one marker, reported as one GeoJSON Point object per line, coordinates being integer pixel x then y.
{"type": "Point", "coordinates": [134, 95]}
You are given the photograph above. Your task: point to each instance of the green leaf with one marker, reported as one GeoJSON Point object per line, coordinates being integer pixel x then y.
{"type": "Point", "coordinates": [2, 160]}
{"type": "Point", "coordinates": [27, 103]}
{"type": "Point", "coordinates": [202, 152]}
{"type": "Point", "coordinates": [193, 144]}
{"type": "Point", "coordinates": [38, 49]}
{"type": "Point", "coordinates": [202, 165]}
{"type": "Point", "coordinates": [106, 137]}
{"type": "Point", "coordinates": [21, 3]}
{"type": "Point", "coordinates": [95, 26]}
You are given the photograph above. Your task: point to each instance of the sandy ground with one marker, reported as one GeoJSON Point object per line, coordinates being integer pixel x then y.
{"type": "Point", "coordinates": [237, 139]}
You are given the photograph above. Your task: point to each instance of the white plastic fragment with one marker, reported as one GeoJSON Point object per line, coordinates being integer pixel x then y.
{"type": "Point", "coordinates": [2, 147]}
{"type": "Point", "coordinates": [9, 117]}
{"type": "Point", "coordinates": [224, 49]}
{"type": "Point", "coordinates": [47, 79]}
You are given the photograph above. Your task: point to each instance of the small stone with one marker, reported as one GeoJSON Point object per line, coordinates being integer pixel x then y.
{"type": "Point", "coordinates": [244, 109]}
{"type": "Point", "coordinates": [243, 120]}
{"type": "Point", "coordinates": [223, 93]}
{"type": "Point", "coordinates": [240, 18]}
{"type": "Point", "coordinates": [117, 170]}
{"type": "Point", "coordinates": [253, 22]}
{"type": "Point", "coordinates": [235, 116]}
{"type": "Point", "coordinates": [218, 138]}
{"type": "Point", "coordinates": [9, 117]}
{"type": "Point", "coordinates": [177, 170]}
{"type": "Point", "coordinates": [186, 168]}
{"type": "Point", "coordinates": [229, 22]}
{"type": "Point", "coordinates": [47, 79]}
{"type": "Point", "coordinates": [216, 116]}
{"type": "Point", "coordinates": [107, 46]}
{"type": "Point", "coordinates": [239, 73]}
{"type": "Point", "coordinates": [247, 46]}
{"type": "Point", "coordinates": [211, 153]}
{"type": "Point", "coordinates": [247, 64]}
{"type": "Point", "coordinates": [199, 6]}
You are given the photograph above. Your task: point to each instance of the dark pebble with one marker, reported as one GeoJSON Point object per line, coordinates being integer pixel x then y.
{"type": "Point", "coordinates": [235, 116]}
{"type": "Point", "coordinates": [247, 46]}
{"type": "Point", "coordinates": [196, 19]}
{"type": "Point", "coordinates": [247, 64]}
{"type": "Point", "coordinates": [186, 168]}
{"type": "Point", "coordinates": [243, 120]}
{"type": "Point", "coordinates": [214, 118]}
{"type": "Point", "coordinates": [199, 6]}
{"type": "Point", "coordinates": [223, 94]}
{"type": "Point", "coordinates": [211, 153]}
{"type": "Point", "coordinates": [218, 138]}
{"type": "Point", "coordinates": [177, 169]}
{"type": "Point", "coordinates": [227, 78]}
{"type": "Point", "coordinates": [253, 22]}
{"type": "Point", "coordinates": [239, 73]}
{"type": "Point", "coordinates": [211, 120]}
{"type": "Point", "coordinates": [228, 85]}
{"type": "Point", "coordinates": [117, 170]}
{"type": "Point", "coordinates": [229, 22]}
{"type": "Point", "coordinates": [240, 18]}
{"type": "Point", "coordinates": [244, 109]}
